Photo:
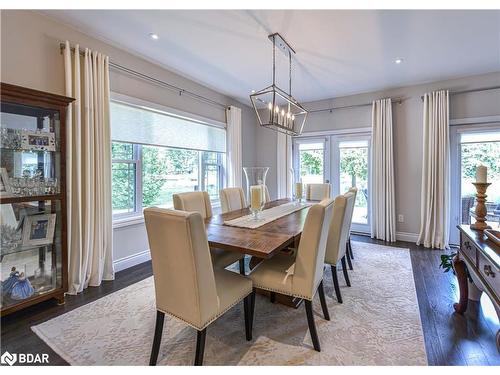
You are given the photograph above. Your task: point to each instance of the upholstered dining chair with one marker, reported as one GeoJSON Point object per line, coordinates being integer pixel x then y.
{"type": "Point", "coordinates": [232, 199]}
{"type": "Point", "coordinates": [187, 286]}
{"type": "Point", "coordinates": [317, 192]}
{"type": "Point", "coordinates": [300, 276]}
{"type": "Point", "coordinates": [350, 254]}
{"type": "Point", "coordinates": [337, 239]}
{"type": "Point", "coordinates": [199, 201]}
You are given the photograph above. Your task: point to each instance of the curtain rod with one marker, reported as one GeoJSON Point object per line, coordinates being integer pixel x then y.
{"type": "Point", "coordinates": [470, 90]}
{"type": "Point", "coordinates": [157, 81]}
{"type": "Point", "coordinates": [394, 100]}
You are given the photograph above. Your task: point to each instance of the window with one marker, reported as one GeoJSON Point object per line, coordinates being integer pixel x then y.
{"type": "Point", "coordinates": [311, 162]}
{"type": "Point", "coordinates": [472, 145]}
{"type": "Point", "coordinates": [354, 172]}
{"type": "Point", "coordinates": [155, 161]}
{"type": "Point", "coordinates": [342, 159]}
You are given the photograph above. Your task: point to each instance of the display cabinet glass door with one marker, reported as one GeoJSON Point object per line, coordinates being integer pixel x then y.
{"type": "Point", "coordinates": [31, 205]}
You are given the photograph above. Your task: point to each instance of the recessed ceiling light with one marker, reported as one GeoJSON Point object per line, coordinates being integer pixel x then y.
{"type": "Point", "coordinates": [154, 36]}
{"type": "Point", "coordinates": [398, 60]}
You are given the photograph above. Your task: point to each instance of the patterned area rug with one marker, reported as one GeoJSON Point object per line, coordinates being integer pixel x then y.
{"type": "Point", "coordinates": [378, 324]}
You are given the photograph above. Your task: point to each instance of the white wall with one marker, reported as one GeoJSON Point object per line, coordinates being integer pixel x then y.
{"type": "Point", "coordinates": [407, 119]}
{"type": "Point", "coordinates": [30, 57]}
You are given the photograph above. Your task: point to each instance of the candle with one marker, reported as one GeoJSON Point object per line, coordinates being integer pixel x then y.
{"type": "Point", "coordinates": [256, 197]}
{"type": "Point", "coordinates": [481, 174]}
{"type": "Point", "coordinates": [298, 190]}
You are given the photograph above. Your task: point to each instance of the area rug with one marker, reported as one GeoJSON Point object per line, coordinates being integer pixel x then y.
{"type": "Point", "coordinates": [378, 324]}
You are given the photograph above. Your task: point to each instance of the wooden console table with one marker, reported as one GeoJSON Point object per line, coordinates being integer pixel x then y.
{"type": "Point", "coordinates": [480, 258]}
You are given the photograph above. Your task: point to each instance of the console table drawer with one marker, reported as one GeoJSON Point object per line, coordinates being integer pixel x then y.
{"type": "Point", "coordinates": [490, 273]}
{"type": "Point", "coordinates": [468, 248]}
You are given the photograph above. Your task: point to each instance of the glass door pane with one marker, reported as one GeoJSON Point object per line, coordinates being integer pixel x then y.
{"type": "Point", "coordinates": [353, 160]}
{"type": "Point", "coordinates": [480, 148]}
{"type": "Point", "coordinates": [309, 161]}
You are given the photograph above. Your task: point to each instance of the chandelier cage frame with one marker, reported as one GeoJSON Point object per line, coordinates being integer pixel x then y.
{"type": "Point", "coordinates": [277, 109]}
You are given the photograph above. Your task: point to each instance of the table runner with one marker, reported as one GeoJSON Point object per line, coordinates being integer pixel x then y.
{"type": "Point", "coordinates": [266, 216]}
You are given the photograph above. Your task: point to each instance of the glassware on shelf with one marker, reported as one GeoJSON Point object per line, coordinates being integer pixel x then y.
{"type": "Point", "coordinates": [10, 138]}
{"type": "Point", "coordinates": [255, 176]}
{"type": "Point", "coordinates": [29, 186]}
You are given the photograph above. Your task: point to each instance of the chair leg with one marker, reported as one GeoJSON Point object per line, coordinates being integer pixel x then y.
{"type": "Point", "coordinates": [252, 309]}
{"type": "Point", "coordinates": [336, 284]}
{"type": "Point", "coordinates": [344, 269]}
{"type": "Point", "coordinates": [248, 316]}
{"type": "Point", "coordinates": [273, 297]}
{"type": "Point", "coordinates": [200, 347]}
{"type": "Point", "coordinates": [350, 247]}
{"type": "Point", "coordinates": [312, 325]}
{"type": "Point", "coordinates": [242, 266]}
{"type": "Point", "coordinates": [160, 317]}
{"type": "Point", "coordinates": [348, 256]}
{"type": "Point", "coordinates": [322, 299]}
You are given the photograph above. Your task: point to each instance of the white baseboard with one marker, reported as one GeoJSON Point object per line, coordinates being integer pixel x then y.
{"type": "Point", "coordinates": [408, 237]}
{"type": "Point", "coordinates": [131, 260]}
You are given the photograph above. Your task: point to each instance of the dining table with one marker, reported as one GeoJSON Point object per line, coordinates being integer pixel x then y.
{"type": "Point", "coordinates": [262, 242]}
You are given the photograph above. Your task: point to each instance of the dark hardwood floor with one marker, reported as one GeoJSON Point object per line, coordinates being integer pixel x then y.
{"type": "Point", "coordinates": [450, 339]}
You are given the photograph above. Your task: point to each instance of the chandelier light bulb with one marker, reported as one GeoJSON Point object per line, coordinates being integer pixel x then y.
{"type": "Point", "coordinates": [282, 112]}
{"type": "Point", "coordinates": [270, 106]}
{"type": "Point", "coordinates": [288, 115]}
{"type": "Point", "coordinates": [293, 117]}
{"type": "Point", "coordinates": [276, 109]}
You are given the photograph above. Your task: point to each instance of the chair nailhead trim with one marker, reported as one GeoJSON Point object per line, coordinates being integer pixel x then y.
{"type": "Point", "coordinates": [212, 319]}
{"type": "Point", "coordinates": [282, 292]}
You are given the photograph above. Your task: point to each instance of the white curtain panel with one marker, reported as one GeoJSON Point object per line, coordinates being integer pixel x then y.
{"type": "Point", "coordinates": [284, 165]}
{"type": "Point", "coordinates": [383, 213]}
{"type": "Point", "coordinates": [234, 147]}
{"type": "Point", "coordinates": [88, 165]}
{"type": "Point", "coordinates": [435, 196]}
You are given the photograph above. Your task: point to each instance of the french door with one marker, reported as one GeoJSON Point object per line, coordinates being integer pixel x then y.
{"type": "Point", "coordinates": [343, 161]}
{"type": "Point", "coordinates": [471, 145]}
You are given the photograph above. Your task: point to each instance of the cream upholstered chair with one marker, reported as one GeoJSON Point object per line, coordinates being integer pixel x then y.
{"type": "Point", "coordinates": [337, 238]}
{"type": "Point", "coordinates": [199, 201]}
{"type": "Point", "coordinates": [317, 192]}
{"type": "Point", "coordinates": [301, 276]}
{"type": "Point", "coordinates": [350, 254]}
{"type": "Point", "coordinates": [187, 286]}
{"type": "Point", "coordinates": [232, 199]}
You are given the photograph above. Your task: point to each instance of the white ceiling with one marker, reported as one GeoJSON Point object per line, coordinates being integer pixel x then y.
{"type": "Point", "coordinates": [338, 52]}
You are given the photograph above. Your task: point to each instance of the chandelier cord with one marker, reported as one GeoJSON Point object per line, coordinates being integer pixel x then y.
{"type": "Point", "coordinates": [274, 62]}
{"type": "Point", "coordinates": [290, 72]}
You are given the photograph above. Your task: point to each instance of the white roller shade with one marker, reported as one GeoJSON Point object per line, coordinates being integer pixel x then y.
{"type": "Point", "coordinates": [140, 125]}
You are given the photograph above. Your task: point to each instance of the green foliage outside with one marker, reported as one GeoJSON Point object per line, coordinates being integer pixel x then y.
{"type": "Point", "coordinates": [354, 162]}
{"type": "Point", "coordinates": [123, 177]}
{"type": "Point", "coordinates": [164, 172]}
{"type": "Point", "coordinates": [157, 164]}
{"type": "Point", "coordinates": [488, 154]}
{"type": "Point", "coordinates": [311, 162]}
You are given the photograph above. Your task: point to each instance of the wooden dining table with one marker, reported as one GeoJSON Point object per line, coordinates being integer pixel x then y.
{"type": "Point", "coordinates": [260, 243]}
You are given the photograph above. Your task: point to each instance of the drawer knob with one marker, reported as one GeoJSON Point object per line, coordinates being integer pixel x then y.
{"type": "Point", "coordinates": [488, 271]}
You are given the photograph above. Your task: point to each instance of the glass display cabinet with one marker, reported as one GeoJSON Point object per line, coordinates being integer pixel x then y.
{"type": "Point", "coordinates": [33, 247]}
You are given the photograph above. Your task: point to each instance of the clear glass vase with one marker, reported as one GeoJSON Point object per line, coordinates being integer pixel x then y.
{"type": "Point", "coordinates": [255, 176]}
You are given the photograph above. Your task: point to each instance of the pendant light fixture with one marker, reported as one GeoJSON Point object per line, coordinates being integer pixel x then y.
{"type": "Point", "coordinates": [275, 108]}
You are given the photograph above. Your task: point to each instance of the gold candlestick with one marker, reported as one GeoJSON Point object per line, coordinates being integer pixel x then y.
{"type": "Point", "coordinates": [481, 211]}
